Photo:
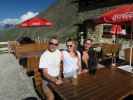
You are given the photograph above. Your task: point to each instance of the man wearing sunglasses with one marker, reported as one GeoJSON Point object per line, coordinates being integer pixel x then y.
{"type": "Point", "coordinates": [50, 64]}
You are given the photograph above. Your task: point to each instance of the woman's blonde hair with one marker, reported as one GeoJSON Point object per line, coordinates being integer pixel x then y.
{"type": "Point", "coordinates": [71, 40]}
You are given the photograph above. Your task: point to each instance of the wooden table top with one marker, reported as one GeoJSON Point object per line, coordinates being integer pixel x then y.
{"type": "Point", "coordinates": [106, 84]}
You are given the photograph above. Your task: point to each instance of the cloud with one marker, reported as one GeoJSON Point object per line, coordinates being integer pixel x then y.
{"type": "Point", "coordinates": [22, 18]}
{"type": "Point", "coordinates": [28, 15]}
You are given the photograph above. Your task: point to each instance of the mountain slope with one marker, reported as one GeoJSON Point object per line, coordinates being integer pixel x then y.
{"type": "Point", "coordinates": [64, 15]}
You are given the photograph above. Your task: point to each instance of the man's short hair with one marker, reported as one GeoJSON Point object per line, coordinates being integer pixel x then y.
{"type": "Point", "coordinates": [54, 37]}
{"type": "Point", "coordinates": [88, 39]}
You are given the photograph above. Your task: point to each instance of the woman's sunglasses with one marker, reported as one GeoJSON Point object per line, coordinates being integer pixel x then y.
{"type": "Point", "coordinates": [69, 46]}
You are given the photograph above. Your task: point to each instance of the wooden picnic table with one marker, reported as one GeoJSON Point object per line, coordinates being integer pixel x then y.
{"type": "Point", "coordinates": [106, 84]}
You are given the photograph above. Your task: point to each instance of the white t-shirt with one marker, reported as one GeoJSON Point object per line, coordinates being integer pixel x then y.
{"type": "Point", "coordinates": [70, 64]}
{"type": "Point", "coordinates": [51, 61]}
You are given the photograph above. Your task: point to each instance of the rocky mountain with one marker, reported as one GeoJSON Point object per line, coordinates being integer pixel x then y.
{"type": "Point", "coordinates": [6, 26]}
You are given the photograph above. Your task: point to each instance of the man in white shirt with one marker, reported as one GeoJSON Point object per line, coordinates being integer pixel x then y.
{"type": "Point", "coordinates": [50, 64]}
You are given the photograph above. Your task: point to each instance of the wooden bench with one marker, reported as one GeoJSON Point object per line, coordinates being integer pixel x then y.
{"type": "Point", "coordinates": [37, 79]}
{"type": "Point", "coordinates": [27, 48]}
{"type": "Point", "coordinates": [29, 51]}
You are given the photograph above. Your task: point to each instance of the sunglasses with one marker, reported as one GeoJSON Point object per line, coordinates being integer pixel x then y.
{"type": "Point", "coordinates": [51, 43]}
{"type": "Point", "coordinates": [69, 46]}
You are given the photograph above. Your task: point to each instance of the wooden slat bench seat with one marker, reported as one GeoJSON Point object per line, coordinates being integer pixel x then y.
{"type": "Point", "coordinates": [37, 80]}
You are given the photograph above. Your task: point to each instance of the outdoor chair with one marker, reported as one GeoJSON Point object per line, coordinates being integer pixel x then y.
{"type": "Point", "coordinates": [110, 52]}
{"type": "Point", "coordinates": [127, 52]}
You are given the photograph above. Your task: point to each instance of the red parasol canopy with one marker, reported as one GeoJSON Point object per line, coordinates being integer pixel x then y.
{"type": "Point", "coordinates": [118, 15]}
{"type": "Point", "coordinates": [35, 22]}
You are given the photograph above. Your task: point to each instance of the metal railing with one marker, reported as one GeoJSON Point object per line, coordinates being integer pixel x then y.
{"type": "Point", "coordinates": [3, 47]}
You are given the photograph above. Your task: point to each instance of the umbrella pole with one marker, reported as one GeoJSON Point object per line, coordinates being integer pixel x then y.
{"type": "Point", "coordinates": [113, 55]}
{"type": "Point", "coordinates": [131, 57]}
{"type": "Point", "coordinates": [131, 51]}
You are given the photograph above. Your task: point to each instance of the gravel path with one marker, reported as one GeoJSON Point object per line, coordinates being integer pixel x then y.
{"type": "Point", "coordinates": [14, 83]}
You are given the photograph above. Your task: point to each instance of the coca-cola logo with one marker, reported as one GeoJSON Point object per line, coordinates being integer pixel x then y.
{"type": "Point", "coordinates": [125, 16]}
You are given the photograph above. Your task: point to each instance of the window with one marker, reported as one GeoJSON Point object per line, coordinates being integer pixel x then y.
{"type": "Point", "coordinates": [106, 30]}
{"type": "Point", "coordinates": [126, 26]}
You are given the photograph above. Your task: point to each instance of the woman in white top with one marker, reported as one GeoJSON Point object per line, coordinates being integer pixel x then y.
{"type": "Point", "coordinates": [71, 60]}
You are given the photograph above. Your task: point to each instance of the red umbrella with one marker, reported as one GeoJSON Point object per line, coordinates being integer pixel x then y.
{"type": "Point", "coordinates": [117, 16]}
{"type": "Point", "coordinates": [35, 22]}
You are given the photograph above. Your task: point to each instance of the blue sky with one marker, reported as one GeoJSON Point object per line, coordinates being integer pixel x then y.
{"type": "Point", "coordinates": [15, 9]}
